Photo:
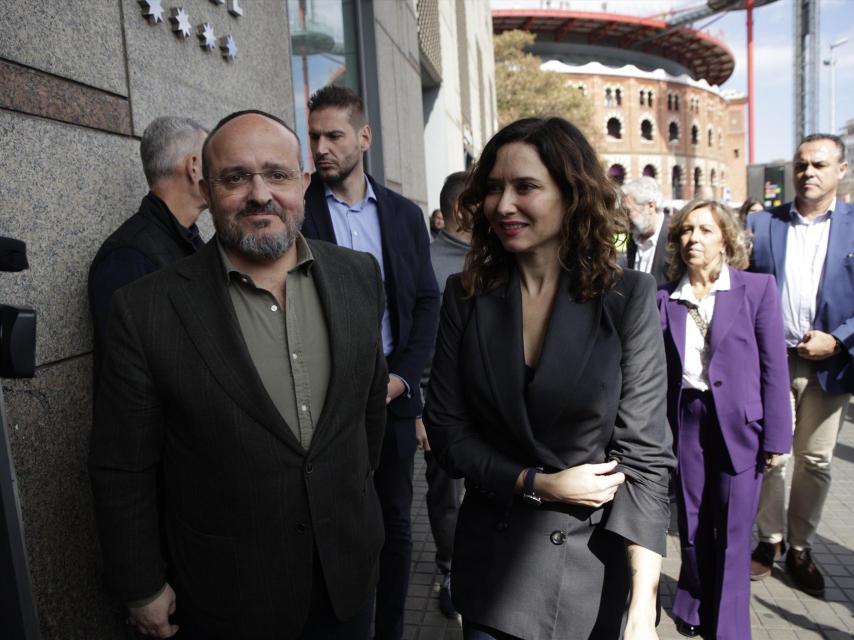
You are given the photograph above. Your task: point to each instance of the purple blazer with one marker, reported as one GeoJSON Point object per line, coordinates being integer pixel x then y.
{"type": "Point", "coordinates": [748, 372]}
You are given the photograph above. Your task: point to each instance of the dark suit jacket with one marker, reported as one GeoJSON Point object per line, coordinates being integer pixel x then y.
{"type": "Point", "coordinates": [245, 506]}
{"type": "Point", "coordinates": [411, 292]}
{"type": "Point", "coordinates": [598, 393]}
{"type": "Point", "coordinates": [835, 308]}
{"type": "Point", "coordinates": [748, 374]}
{"type": "Point", "coordinates": [661, 257]}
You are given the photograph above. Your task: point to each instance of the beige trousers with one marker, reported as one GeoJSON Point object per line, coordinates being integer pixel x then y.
{"type": "Point", "coordinates": [818, 418]}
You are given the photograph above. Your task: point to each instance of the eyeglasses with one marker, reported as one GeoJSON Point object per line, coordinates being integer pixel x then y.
{"type": "Point", "coordinates": [241, 180]}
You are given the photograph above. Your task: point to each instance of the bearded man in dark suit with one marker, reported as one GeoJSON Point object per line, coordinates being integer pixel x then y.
{"type": "Point", "coordinates": [250, 377]}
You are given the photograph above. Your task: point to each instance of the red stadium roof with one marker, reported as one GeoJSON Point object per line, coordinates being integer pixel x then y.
{"type": "Point", "coordinates": [702, 55]}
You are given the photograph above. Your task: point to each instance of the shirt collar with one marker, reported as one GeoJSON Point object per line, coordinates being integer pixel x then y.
{"type": "Point", "coordinates": [797, 218]}
{"type": "Point", "coordinates": [684, 290]}
{"type": "Point", "coordinates": [305, 259]}
{"type": "Point", "coordinates": [369, 196]}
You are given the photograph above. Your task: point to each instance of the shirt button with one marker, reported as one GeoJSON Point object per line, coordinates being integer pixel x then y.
{"type": "Point", "coordinates": [355, 233]}
{"type": "Point", "coordinates": [303, 407]}
{"type": "Point", "coordinates": [274, 308]}
{"type": "Point", "coordinates": [294, 356]}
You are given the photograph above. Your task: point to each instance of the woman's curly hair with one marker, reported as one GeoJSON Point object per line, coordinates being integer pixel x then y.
{"type": "Point", "coordinates": [590, 224]}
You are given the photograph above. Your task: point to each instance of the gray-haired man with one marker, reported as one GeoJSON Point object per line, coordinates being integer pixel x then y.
{"type": "Point", "coordinates": [647, 245]}
{"type": "Point", "coordinates": [164, 229]}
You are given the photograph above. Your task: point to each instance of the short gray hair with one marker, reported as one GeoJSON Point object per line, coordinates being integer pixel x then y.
{"type": "Point", "coordinates": [643, 190]}
{"type": "Point", "coordinates": [165, 142]}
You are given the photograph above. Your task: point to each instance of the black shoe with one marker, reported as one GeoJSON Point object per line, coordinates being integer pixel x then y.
{"type": "Point", "coordinates": [763, 557]}
{"type": "Point", "coordinates": [806, 575]}
{"type": "Point", "coordinates": [446, 605]}
{"type": "Point", "coordinates": [687, 630]}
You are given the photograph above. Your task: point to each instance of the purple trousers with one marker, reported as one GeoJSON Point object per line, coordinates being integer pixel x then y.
{"type": "Point", "coordinates": [716, 512]}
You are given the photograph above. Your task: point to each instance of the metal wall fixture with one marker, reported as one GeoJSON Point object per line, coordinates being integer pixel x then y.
{"type": "Point", "coordinates": [182, 26]}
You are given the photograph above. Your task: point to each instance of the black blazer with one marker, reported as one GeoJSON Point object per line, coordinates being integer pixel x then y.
{"type": "Point", "coordinates": [598, 392]}
{"type": "Point", "coordinates": [410, 285]}
{"type": "Point", "coordinates": [244, 505]}
{"type": "Point", "coordinates": [661, 257]}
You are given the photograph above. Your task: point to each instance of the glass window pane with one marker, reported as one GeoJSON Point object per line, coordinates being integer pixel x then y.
{"type": "Point", "coordinates": [324, 51]}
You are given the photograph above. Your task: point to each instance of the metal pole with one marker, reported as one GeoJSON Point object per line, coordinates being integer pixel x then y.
{"type": "Point", "coordinates": [750, 93]}
{"type": "Point", "coordinates": [832, 64]}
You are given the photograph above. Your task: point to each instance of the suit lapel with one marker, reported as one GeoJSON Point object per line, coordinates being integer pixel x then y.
{"type": "Point", "coordinates": [318, 221]}
{"type": "Point", "coordinates": [659, 258]}
{"type": "Point", "coordinates": [569, 341]}
{"type": "Point", "coordinates": [779, 230]}
{"type": "Point", "coordinates": [677, 316]}
{"type": "Point", "coordinates": [499, 332]}
{"type": "Point", "coordinates": [841, 232]}
{"type": "Point", "coordinates": [727, 305]}
{"type": "Point", "coordinates": [204, 308]}
{"type": "Point", "coordinates": [330, 283]}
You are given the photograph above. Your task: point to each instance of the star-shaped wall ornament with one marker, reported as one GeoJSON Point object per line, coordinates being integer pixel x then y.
{"type": "Point", "coordinates": [205, 34]}
{"type": "Point", "coordinates": [234, 8]}
{"type": "Point", "coordinates": [152, 10]}
{"type": "Point", "coordinates": [228, 47]}
{"type": "Point", "coordinates": [180, 22]}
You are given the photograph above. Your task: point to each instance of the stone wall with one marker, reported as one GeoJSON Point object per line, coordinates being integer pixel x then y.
{"type": "Point", "coordinates": [79, 81]}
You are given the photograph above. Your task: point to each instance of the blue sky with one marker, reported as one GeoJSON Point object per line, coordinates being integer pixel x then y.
{"type": "Point", "coordinates": [773, 59]}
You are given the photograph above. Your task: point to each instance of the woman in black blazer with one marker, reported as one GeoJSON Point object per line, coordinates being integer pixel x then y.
{"type": "Point", "coordinates": [548, 395]}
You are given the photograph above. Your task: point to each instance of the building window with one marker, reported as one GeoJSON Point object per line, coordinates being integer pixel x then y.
{"type": "Point", "coordinates": [646, 129]}
{"type": "Point", "coordinates": [642, 96]}
{"type": "Point", "coordinates": [711, 138]}
{"type": "Point", "coordinates": [615, 128]}
{"type": "Point", "coordinates": [673, 132]}
{"type": "Point", "coordinates": [324, 50]}
{"type": "Point", "coordinates": [735, 152]}
{"type": "Point", "coordinates": [617, 173]}
{"type": "Point", "coordinates": [670, 102]}
{"type": "Point", "coordinates": [695, 134]}
{"type": "Point", "coordinates": [720, 140]}
{"type": "Point", "coordinates": [649, 98]}
{"type": "Point", "coordinates": [650, 171]}
{"type": "Point", "coordinates": [698, 179]}
{"type": "Point", "coordinates": [676, 182]}
{"type": "Point", "coordinates": [618, 96]}
{"type": "Point", "coordinates": [676, 103]}
{"type": "Point", "coordinates": [609, 99]}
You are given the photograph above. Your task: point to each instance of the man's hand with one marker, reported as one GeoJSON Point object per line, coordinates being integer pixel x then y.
{"type": "Point", "coordinates": [153, 619]}
{"type": "Point", "coordinates": [395, 388]}
{"type": "Point", "coordinates": [590, 485]}
{"type": "Point", "coordinates": [817, 345]}
{"type": "Point", "coordinates": [421, 435]}
{"type": "Point", "coordinates": [772, 460]}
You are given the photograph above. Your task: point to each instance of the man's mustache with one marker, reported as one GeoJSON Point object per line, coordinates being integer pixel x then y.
{"type": "Point", "coordinates": [268, 208]}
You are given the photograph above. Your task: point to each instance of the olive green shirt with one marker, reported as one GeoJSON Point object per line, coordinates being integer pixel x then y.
{"type": "Point", "coordinates": [289, 347]}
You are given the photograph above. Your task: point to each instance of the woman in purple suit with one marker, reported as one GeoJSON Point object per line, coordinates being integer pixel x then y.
{"type": "Point", "coordinates": [728, 405]}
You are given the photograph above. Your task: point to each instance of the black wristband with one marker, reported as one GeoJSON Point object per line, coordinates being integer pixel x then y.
{"type": "Point", "coordinates": [528, 486]}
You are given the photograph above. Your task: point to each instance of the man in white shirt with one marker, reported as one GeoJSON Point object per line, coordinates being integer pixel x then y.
{"type": "Point", "coordinates": [646, 249]}
{"type": "Point", "coordinates": [808, 245]}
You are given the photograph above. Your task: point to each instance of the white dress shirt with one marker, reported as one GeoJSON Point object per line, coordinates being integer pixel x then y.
{"type": "Point", "coordinates": [806, 250]}
{"type": "Point", "coordinates": [695, 369]}
{"type": "Point", "coordinates": [646, 249]}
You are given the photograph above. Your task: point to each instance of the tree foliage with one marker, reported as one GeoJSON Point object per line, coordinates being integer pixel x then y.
{"type": "Point", "coordinates": [524, 90]}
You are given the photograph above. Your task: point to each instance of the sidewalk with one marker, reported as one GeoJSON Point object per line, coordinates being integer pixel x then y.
{"type": "Point", "coordinates": [779, 611]}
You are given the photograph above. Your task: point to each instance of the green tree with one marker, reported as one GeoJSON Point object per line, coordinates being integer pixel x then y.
{"type": "Point", "coordinates": [524, 90]}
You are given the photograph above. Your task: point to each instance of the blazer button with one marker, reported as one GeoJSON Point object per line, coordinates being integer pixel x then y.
{"type": "Point", "coordinates": [502, 525]}
{"type": "Point", "coordinates": [718, 383]}
{"type": "Point", "coordinates": [300, 528]}
{"type": "Point", "coordinates": [558, 537]}
{"type": "Point", "coordinates": [308, 468]}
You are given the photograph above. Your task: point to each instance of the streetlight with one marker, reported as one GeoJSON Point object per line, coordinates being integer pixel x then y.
{"type": "Point", "coordinates": [832, 64]}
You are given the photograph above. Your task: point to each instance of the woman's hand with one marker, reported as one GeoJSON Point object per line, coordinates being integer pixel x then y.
{"type": "Point", "coordinates": [590, 485]}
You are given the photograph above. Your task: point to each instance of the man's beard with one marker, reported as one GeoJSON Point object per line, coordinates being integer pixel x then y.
{"type": "Point", "coordinates": [332, 177]}
{"type": "Point", "coordinates": [259, 246]}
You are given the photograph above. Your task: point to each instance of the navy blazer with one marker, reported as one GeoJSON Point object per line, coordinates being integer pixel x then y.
{"type": "Point", "coordinates": [748, 374]}
{"type": "Point", "coordinates": [412, 295]}
{"type": "Point", "coordinates": [835, 307]}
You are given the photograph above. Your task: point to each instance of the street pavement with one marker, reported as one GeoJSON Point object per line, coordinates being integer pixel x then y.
{"type": "Point", "coordinates": [779, 611]}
